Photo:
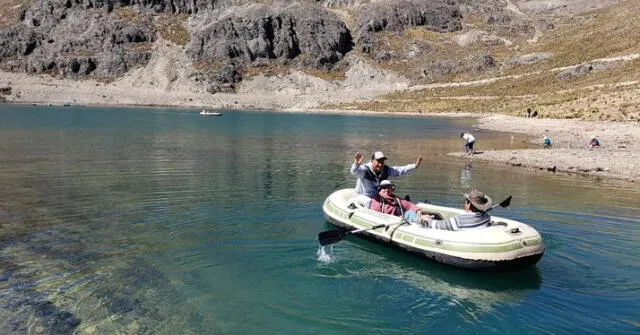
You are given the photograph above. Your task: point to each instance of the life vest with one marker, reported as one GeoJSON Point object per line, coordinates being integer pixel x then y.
{"type": "Point", "coordinates": [372, 177]}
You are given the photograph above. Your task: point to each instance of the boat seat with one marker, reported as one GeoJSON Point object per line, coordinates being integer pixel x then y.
{"type": "Point", "coordinates": [355, 203]}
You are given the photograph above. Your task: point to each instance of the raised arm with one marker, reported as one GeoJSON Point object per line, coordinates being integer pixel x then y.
{"type": "Point", "coordinates": [357, 168]}
{"type": "Point", "coordinates": [395, 171]}
{"type": "Point", "coordinates": [357, 158]}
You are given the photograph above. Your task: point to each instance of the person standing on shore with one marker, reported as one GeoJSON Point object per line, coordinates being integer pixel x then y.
{"type": "Point", "coordinates": [371, 174]}
{"type": "Point", "coordinates": [469, 140]}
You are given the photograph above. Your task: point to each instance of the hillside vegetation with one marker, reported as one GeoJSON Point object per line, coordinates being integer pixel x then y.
{"type": "Point", "coordinates": [588, 67]}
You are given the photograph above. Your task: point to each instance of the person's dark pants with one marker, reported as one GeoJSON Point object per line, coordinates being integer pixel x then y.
{"type": "Point", "coordinates": [469, 146]}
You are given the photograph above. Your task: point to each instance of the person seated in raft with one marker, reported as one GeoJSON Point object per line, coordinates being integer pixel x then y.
{"type": "Point", "coordinates": [386, 202]}
{"type": "Point", "coordinates": [547, 141]}
{"type": "Point", "coordinates": [372, 173]}
{"type": "Point", "coordinates": [595, 142]}
{"type": "Point", "coordinates": [476, 204]}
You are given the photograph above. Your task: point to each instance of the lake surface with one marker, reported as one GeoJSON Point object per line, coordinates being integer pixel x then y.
{"type": "Point", "coordinates": [162, 221]}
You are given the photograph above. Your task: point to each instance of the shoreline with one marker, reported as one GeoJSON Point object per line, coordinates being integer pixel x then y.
{"type": "Point", "coordinates": [618, 157]}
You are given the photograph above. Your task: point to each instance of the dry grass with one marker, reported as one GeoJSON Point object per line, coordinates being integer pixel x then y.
{"type": "Point", "coordinates": [127, 14]}
{"type": "Point", "coordinates": [610, 92]}
{"type": "Point", "coordinates": [82, 53]}
{"type": "Point", "coordinates": [10, 10]}
{"type": "Point", "coordinates": [172, 28]}
{"type": "Point", "coordinates": [270, 69]}
{"type": "Point", "coordinates": [140, 47]}
{"type": "Point", "coordinates": [208, 64]}
{"type": "Point", "coordinates": [606, 33]}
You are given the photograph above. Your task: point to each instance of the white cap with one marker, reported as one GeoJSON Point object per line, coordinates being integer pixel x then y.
{"type": "Point", "coordinates": [386, 183]}
{"type": "Point", "coordinates": [378, 155]}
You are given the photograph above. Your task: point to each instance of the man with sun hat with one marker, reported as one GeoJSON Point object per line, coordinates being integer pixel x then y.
{"type": "Point", "coordinates": [476, 206]}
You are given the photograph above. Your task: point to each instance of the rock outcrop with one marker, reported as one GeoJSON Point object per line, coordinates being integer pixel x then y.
{"type": "Point", "coordinates": [224, 38]}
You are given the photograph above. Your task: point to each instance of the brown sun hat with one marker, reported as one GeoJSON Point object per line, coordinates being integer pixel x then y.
{"type": "Point", "coordinates": [479, 200]}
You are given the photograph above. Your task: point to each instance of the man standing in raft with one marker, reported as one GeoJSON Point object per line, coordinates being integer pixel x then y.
{"type": "Point", "coordinates": [371, 174]}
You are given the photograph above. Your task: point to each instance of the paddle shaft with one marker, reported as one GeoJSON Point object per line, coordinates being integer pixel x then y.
{"type": "Point", "coordinates": [365, 229]}
{"type": "Point", "coordinates": [333, 236]}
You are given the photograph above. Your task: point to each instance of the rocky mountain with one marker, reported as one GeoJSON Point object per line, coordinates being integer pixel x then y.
{"type": "Point", "coordinates": [230, 46]}
{"type": "Point", "coordinates": [105, 39]}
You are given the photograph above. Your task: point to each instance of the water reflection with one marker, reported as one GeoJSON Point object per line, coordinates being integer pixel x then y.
{"type": "Point", "coordinates": [465, 174]}
{"type": "Point", "coordinates": [433, 288]}
{"type": "Point", "coordinates": [139, 221]}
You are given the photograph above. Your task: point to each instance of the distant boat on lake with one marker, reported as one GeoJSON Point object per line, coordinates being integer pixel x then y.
{"type": "Point", "coordinates": [206, 112]}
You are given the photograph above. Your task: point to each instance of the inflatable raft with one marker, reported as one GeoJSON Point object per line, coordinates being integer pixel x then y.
{"type": "Point", "coordinates": [505, 245]}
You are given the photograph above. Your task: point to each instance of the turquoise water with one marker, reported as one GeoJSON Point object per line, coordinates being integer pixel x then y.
{"type": "Point", "coordinates": [162, 221]}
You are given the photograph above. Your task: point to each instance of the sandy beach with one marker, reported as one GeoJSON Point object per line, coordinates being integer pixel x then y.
{"type": "Point", "coordinates": [618, 157]}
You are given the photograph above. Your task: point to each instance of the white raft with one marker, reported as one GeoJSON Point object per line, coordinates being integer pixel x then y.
{"type": "Point", "coordinates": [209, 113]}
{"type": "Point", "coordinates": [506, 245]}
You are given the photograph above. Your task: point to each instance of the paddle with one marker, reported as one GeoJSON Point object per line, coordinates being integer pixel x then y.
{"type": "Point", "coordinates": [334, 236]}
{"type": "Point", "coordinates": [505, 203]}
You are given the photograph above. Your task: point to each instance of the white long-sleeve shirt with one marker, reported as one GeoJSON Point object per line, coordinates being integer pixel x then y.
{"type": "Point", "coordinates": [468, 138]}
{"type": "Point", "coordinates": [368, 181]}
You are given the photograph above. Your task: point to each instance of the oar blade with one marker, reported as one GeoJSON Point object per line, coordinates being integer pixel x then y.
{"type": "Point", "coordinates": [506, 202]}
{"type": "Point", "coordinates": [330, 237]}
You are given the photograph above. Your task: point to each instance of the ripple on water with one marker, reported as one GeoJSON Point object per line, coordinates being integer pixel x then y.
{"type": "Point", "coordinates": [156, 222]}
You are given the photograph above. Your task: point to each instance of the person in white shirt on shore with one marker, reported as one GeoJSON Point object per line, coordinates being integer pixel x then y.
{"type": "Point", "coordinates": [469, 140]}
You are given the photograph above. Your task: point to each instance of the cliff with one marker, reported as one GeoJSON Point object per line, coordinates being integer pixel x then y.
{"type": "Point", "coordinates": [330, 52]}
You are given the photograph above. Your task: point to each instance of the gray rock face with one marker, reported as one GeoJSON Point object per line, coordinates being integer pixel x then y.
{"type": "Point", "coordinates": [94, 38]}
{"type": "Point", "coordinates": [72, 39]}
{"type": "Point", "coordinates": [528, 58]}
{"type": "Point", "coordinates": [186, 6]}
{"type": "Point", "coordinates": [264, 32]}
{"type": "Point", "coordinates": [503, 22]}
{"type": "Point", "coordinates": [395, 16]}
{"type": "Point", "coordinates": [582, 70]}
{"type": "Point", "coordinates": [474, 64]}
{"type": "Point", "coordinates": [107, 38]}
